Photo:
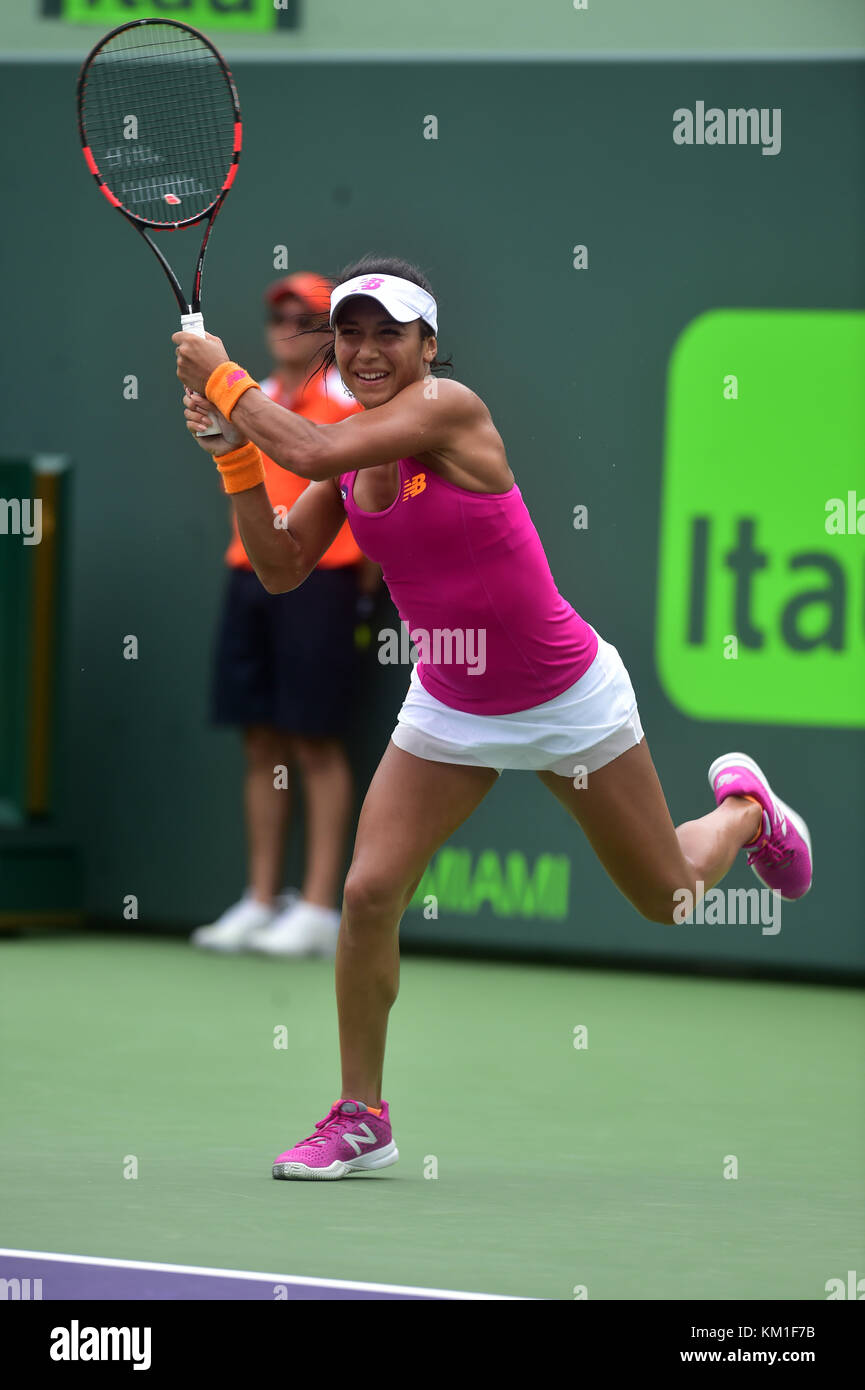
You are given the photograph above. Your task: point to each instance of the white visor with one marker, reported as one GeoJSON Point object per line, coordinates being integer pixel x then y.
{"type": "Point", "coordinates": [402, 300]}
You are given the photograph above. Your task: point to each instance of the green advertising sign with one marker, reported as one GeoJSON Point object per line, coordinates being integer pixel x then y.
{"type": "Point", "coordinates": [239, 15]}
{"type": "Point", "coordinates": [454, 882]}
{"type": "Point", "coordinates": [761, 593]}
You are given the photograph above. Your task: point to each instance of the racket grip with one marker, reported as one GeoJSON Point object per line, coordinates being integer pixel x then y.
{"type": "Point", "coordinates": [194, 323]}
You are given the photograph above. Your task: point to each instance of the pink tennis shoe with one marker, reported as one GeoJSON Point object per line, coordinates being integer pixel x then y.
{"type": "Point", "coordinates": [781, 855]}
{"type": "Point", "coordinates": [350, 1139]}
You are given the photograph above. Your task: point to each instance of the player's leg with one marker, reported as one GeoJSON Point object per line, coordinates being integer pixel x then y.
{"type": "Point", "coordinates": [624, 815]}
{"type": "Point", "coordinates": [412, 807]}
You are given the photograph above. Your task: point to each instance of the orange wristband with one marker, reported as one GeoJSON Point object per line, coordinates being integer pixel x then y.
{"type": "Point", "coordinates": [241, 469]}
{"type": "Point", "coordinates": [226, 384]}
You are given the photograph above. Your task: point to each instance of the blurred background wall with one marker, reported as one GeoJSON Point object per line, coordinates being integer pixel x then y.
{"type": "Point", "coordinates": [533, 159]}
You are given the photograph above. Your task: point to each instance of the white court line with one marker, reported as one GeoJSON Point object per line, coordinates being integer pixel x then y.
{"type": "Point", "coordinates": [356, 1284]}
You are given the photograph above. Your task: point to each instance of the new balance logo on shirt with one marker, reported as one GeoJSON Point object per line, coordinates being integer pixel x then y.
{"type": "Point", "coordinates": [410, 488]}
{"type": "Point", "coordinates": [415, 484]}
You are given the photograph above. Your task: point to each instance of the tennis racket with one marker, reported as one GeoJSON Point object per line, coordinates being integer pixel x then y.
{"type": "Point", "coordinates": [160, 128]}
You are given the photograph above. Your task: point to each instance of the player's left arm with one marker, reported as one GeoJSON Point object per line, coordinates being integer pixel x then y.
{"type": "Point", "coordinates": [416, 421]}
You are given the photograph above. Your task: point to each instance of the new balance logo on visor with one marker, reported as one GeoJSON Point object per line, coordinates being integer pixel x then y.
{"type": "Point", "coordinates": [364, 1135]}
{"type": "Point", "coordinates": [727, 777]}
{"type": "Point", "coordinates": [414, 485]}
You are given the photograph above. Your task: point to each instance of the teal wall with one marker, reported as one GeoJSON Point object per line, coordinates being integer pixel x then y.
{"type": "Point", "coordinates": [530, 160]}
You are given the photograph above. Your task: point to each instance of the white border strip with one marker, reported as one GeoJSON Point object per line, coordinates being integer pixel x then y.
{"type": "Point", "coordinates": [359, 57]}
{"type": "Point", "coordinates": [354, 1284]}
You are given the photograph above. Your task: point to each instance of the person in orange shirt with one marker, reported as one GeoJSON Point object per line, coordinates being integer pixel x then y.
{"type": "Point", "coordinates": [285, 671]}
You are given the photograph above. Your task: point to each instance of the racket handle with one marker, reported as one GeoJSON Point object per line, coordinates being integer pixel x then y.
{"type": "Point", "coordinates": [194, 323]}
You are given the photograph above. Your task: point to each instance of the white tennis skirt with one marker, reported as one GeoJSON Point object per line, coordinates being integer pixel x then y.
{"type": "Point", "coordinates": [587, 726]}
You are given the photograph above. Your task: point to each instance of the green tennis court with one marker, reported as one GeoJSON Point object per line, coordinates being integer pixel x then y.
{"type": "Point", "coordinates": [600, 1166]}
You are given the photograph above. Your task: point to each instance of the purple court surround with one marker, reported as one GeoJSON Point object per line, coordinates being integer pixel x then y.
{"type": "Point", "coordinates": [73, 1278]}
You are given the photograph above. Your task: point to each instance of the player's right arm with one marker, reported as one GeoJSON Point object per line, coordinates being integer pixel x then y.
{"type": "Point", "coordinates": [282, 550]}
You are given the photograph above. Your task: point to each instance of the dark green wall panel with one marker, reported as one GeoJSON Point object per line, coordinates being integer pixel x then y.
{"type": "Point", "coordinates": [530, 161]}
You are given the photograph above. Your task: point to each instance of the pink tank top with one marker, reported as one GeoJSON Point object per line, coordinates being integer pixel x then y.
{"type": "Point", "coordinates": [470, 579]}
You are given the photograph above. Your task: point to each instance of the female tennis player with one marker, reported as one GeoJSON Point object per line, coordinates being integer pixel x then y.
{"type": "Point", "coordinates": [510, 676]}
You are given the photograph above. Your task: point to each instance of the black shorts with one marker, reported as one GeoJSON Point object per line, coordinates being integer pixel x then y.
{"type": "Point", "coordinates": [288, 661]}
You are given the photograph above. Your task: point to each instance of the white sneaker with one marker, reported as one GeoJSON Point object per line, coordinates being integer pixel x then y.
{"type": "Point", "coordinates": [231, 931]}
{"type": "Point", "coordinates": [304, 929]}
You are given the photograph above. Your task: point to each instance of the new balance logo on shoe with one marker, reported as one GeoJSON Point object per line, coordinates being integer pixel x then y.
{"type": "Point", "coordinates": [358, 1138]}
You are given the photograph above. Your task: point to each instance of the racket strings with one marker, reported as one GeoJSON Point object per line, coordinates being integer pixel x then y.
{"type": "Point", "coordinates": [171, 162]}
